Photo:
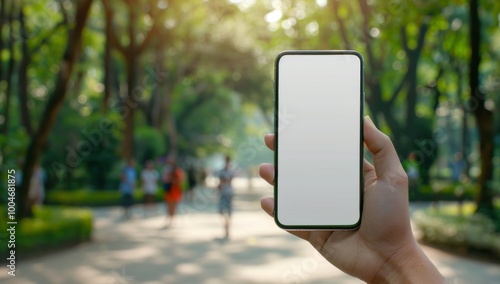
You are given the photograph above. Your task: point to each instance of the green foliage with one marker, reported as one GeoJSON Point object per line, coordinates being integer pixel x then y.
{"type": "Point", "coordinates": [445, 226]}
{"type": "Point", "coordinates": [217, 64]}
{"type": "Point", "coordinates": [213, 126]}
{"type": "Point", "coordinates": [87, 197]}
{"type": "Point", "coordinates": [443, 191]}
{"type": "Point", "coordinates": [51, 228]}
{"type": "Point", "coordinates": [87, 153]}
{"type": "Point", "coordinates": [14, 146]}
{"type": "Point", "coordinates": [149, 144]}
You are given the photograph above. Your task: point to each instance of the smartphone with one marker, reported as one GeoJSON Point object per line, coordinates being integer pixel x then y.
{"type": "Point", "coordinates": [318, 129]}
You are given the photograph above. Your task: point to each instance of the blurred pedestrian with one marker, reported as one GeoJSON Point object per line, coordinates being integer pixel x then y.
{"type": "Point", "coordinates": [203, 176]}
{"type": "Point", "coordinates": [226, 194]}
{"type": "Point", "coordinates": [457, 172]}
{"type": "Point", "coordinates": [127, 185]}
{"type": "Point", "coordinates": [149, 178]}
{"type": "Point", "coordinates": [166, 175]}
{"type": "Point", "coordinates": [457, 167]}
{"type": "Point", "coordinates": [191, 178]}
{"type": "Point", "coordinates": [412, 168]}
{"type": "Point", "coordinates": [19, 173]}
{"type": "Point", "coordinates": [37, 186]}
{"type": "Point", "coordinates": [174, 193]}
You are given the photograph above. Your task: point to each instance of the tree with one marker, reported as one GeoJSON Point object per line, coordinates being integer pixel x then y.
{"type": "Point", "coordinates": [131, 53]}
{"type": "Point", "coordinates": [71, 54]}
{"type": "Point", "coordinates": [484, 117]}
{"type": "Point", "coordinates": [10, 65]}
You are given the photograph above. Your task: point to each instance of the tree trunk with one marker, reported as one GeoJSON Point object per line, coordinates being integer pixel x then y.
{"type": "Point", "coordinates": [484, 117]}
{"type": "Point", "coordinates": [2, 22]}
{"type": "Point", "coordinates": [54, 103]}
{"type": "Point", "coordinates": [411, 78]}
{"type": "Point", "coordinates": [23, 76]}
{"type": "Point", "coordinates": [130, 103]}
{"type": "Point", "coordinates": [171, 127]}
{"type": "Point", "coordinates": [154, 116]}
{"type": "Point", "coordinates": [131, 54]}
{"type": "Point", "coordinates": [108, 79]}
{"type": "Point", "coordinates": [465, 127]}
{"type": "Point", "coordinates": [10, 71]}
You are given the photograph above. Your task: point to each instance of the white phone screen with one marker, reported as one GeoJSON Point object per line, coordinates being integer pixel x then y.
{"type": "Point", "coordinates": [318, 157]}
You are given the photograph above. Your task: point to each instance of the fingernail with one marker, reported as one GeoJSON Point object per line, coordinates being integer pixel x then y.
{"type": "Point", "coordinates": [369, 120]}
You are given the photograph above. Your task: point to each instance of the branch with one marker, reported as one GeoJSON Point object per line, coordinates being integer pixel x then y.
{"type": "Point", "coordinates": [44, 40]}
{"type": "Point", "coordinates": [398, 89]}
{"type": "Point", "coordinates": [115, 43]}
{"type": "Point", "coordinates": [147, 40]}
{"type": "Point", "coordinates": [341, 24]}
{"type": "Point", "coordinates": [420, 38]}
{"type": "Point", "coordinates": [409, 52]}
{"type": "Point", "coordinates": [63, 11]}
{"type": "Point", "coordinates": [404, 40]}
{"type": "Point", "coordinates": [200, 100]}
{"type": "Point", "coordinates": [435, 87]}
{"type": "Point", "coordinates": [154, 31]}
{"type": "Point", "coordinates": [187, 69]}
{"type": "Point", "coordinates": [143, 106]}
{"type": "Point", "coordinates": [2, 20]}
{"type": "Point", "coordinates": [421, 35]}
{"type": "Point", "coordinates": [365, 10]}
{"type": "Point", "coordinates": [369, 51]}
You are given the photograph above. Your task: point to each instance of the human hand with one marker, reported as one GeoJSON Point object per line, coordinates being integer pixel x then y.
{"type": "Point", "coordinates": [383, 249]}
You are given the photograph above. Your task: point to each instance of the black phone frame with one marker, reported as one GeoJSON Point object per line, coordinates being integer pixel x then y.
{"type": "Point", "coordinates": [276, 137]}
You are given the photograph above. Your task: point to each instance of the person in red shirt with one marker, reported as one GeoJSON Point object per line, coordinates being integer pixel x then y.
{"type": "Point", "coordinates": [173, 196]}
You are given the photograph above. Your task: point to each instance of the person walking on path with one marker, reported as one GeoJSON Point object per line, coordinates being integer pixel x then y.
{"type": "Point", "coordinates": [173, 195]}
{"type": "Point", "coordinates": [149, 178]}
{"type": "Point", "coordinates": [226, 194]}
{"type": "Point", "coordinates": [191, 178]}
{"type": "Point", "coordinates": [37, 186]}
{"type": "Point", "coordinates": [127, 186]}
{"type": "Point", "coordinates": [412, 168]}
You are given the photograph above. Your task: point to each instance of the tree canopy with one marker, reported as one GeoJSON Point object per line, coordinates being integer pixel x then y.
{"type": "Point", "coordinates": [85, 84]}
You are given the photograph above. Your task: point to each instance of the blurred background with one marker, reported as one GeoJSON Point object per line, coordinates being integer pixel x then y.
{"type": "Point", "coordinates": [87, 85]}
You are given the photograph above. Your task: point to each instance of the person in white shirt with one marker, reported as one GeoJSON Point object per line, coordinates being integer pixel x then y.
{"type": "Point", "coordinates": [149, 178]}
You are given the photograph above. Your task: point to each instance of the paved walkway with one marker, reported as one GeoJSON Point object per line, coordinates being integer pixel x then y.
{"type": "Point", "coordinates": [192, 251]}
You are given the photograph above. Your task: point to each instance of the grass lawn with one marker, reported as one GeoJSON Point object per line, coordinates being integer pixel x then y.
{"type": "Point", "coordinates": [52, 227]}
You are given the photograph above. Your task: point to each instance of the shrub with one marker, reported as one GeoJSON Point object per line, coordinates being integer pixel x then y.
{"type": "Point", "coordinates": [468, 231]}
{"type": "Point", "coordinates": [51, 227]}
{"type": "Point", "coordinates": [87, 197]}
{"type": "Point", "coordinates": [444, 191]}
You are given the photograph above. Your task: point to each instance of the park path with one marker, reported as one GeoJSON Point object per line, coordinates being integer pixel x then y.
{"type": "Point", "coordinates": [192, 251]}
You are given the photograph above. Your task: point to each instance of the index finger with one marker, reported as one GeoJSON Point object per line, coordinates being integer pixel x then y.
{"type": "Point", "coordinates": [269, 140]}
{"type": "Point", "coordinates": [385, 158]}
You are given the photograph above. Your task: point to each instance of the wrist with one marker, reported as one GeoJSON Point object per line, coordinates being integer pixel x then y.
{"type": "Point", "coordinates": [409, 265]}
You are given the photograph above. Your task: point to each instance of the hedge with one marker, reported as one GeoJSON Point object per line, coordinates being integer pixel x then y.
{"type": "Point", "coordinates": [443, 192]}
{"type": "Point", "coordinates": [86, 197]}
{"type": "Point", "coordinates": [51, 227]}
{"type": "Point", "coordinates": [467, 231]}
